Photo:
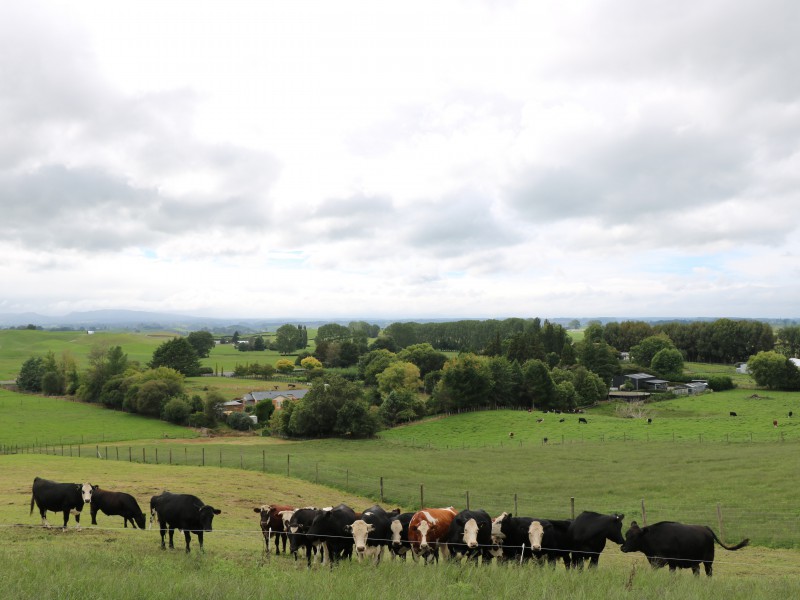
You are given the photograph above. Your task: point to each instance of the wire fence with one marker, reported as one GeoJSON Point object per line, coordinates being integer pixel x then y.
{"type": "Point", "coordinates": [771, 526]}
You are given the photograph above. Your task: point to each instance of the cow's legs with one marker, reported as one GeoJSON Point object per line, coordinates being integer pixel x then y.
{"type": "Point", "coordinates": [709, 568]}
{"type": "Point", "coordinates": [188, 535]}
{"type": "Point", "coordinates": [163, 528]}
{"type": "Point", "coordinates": [171, 535]}
{"type": "Point", "coordinates": [43, 513]}
{"type": "Point", "coordinates": [93, 513]}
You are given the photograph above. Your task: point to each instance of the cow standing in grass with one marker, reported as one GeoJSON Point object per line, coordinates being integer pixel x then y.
{"type": "Point", "coordinates": [66, 498]}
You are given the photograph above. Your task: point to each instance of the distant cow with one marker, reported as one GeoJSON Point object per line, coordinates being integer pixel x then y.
{"type": "Point", "coordinates": [427, 531]}
{"type": "Point", "coordinates": [589, 532]}
{"type": "Point", "coordinates": [649, 420]}
{"type": "Point", "coordinates": [790, 414]}
{"type": "Point", "coordinates": [676, 545]}
{"type": "Point", "coordinates": [182, 511]}
{"type": "Point", "coordinates": [116, 503]}
{"type": "Point", "coordinates": [511, 434]}
{"type": "Point", "coordinates": [470, 535]}
{"type": "Point", "coordinates": [582, 420]}
{"type": "Point", "coordinates": [66, 498]}
{"type": "Point", "coordinates": [540, 420]}
{"type": "Point", "coordinates": [733, 414]}
{"type": "Point", "coordinates": [272, 524]}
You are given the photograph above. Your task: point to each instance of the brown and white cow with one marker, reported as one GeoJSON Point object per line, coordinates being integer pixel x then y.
{"type": "Point", "coordinates": [427, 531]}
{"type": "Point", "coordinates": [272, 524]}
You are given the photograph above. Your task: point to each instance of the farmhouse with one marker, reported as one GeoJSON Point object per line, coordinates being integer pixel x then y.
{"type": "Point", "coordinates": [277, 397]}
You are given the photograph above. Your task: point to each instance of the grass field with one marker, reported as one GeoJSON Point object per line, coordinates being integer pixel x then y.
{"type": "Point", "coordinates": [108, 561]}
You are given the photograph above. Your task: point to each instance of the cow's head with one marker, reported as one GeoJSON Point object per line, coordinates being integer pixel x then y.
{"type": "Point", "coordinates": [360, 530]}
{"type": "Point", "coordinates": [497, 528]}
{"type": "Point", "coordinates": [86, 492]}
{"type": "Point", "coordinates": [615, 529]}
{"type": "Point", "coordinates": [633, 538]}
{"type": "Point", "coordinates": [207, 513]}
{"type": "Point", "coordinates": [535, 535]}
{"type": "Point", "coordinates": [285, 516]}
{"type": "Point", "coordinates": [470, 537]}
{"type": "Point", "coordinates": [397, 532]}
{"type": "Point", "coordinates": [423, 529]}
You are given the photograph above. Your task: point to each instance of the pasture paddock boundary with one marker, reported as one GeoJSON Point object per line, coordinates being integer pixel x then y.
{"type": "Point", "coordinates": [780, 527]}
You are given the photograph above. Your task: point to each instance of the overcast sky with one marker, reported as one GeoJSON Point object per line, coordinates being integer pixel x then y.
{"type": "Point", "coordinates": [404, 160]}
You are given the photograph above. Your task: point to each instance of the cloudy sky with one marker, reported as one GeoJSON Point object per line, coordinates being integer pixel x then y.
{"type": "Point", "coordinates": [409, 159]}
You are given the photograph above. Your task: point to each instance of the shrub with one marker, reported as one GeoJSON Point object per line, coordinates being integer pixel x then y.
{"type": "Point", "coordinates": [240, 421]}
{"type": "Point", "coordinates": [176, 411]}
{"type": "Point", "coordinates": [198, 419]}
{"type": "Point", "coordinates": [720, 383]}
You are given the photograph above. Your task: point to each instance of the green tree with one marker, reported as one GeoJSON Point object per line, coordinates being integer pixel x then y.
{"type": "Point", "coordinates": [668, 363]}
{"type": "Point", "coordinates": [466, 382]}
{"type": "Point", "coordinates": [538, 389]}
{"type": "Point", "coordinates": [240, 421]}
{"type": "Point", "coordinates": [263, 410]}
{"type": "Point", "coordinates": [212, 407]}
{"type": "Point", "coordinates": [374, 362]}
{"type": "Point", "coordinates": [424, 356]}
{"type": "Point", "coordinates": [104, 363]}
{"type": "Point", "coordinates": [30, 374]}
{"type": "Point", "coordinates": [177, 354]}
{"type": "Point", "coordinates": [643, 352]}
{"type": "Point", "coordinates": [202, 342]}
{"type": "Point", "coordinates": [399, 375]}
{"type": "Point", "coordinates": [400, 406]}
{"type": "Point", "coordinates": [788, 341]}
{"type": "Point", "coordinates": [176, 410]}
{"type": "Point", "coordinates": [774, 370]}
{"type": "Point", "coordinates": [289, 338]}
{"type": "Point", "coordinates": [310, 363]}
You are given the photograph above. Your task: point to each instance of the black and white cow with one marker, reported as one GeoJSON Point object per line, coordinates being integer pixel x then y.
{"type": "Point", "coordinates": [676, 545]}
{"type": "Point", "coordinates": [182, 511]}
{"type": "Point", "coordinates": [398, 526]}
{"type": "Point", "coordinates": [372, 532]}
{"type": "Point", "coordinates": [66, 498]}
{"type": "Point", "coordinates": [589, 532]}
{"type": "Point", "coordinates": [116, 503]}
{"type": "Point", "coordinates": [329, 531]}
{"type": "Point", "coordinates": [509, 533]}
{"type": "Point", "coordinates": [470, 535]}
{"type": "Point", "coordinates": [297, 530]}
{"type": "Point", "coordinates": [556, 541]}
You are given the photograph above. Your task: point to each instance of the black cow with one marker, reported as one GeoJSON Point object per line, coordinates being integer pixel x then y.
{"type": "Point", "coordinates": [182, 511]}
{"type": "Point", "coordinates": [583, 420]}
{"type": "Point", "coordinates": [542, 538]}
{"type": "Point", "coordinates": [116, 503]}
{"type": "Point", "coordinates": [65, 498]}
{"type": "Point", "coordinates": [733, 414]}
{"type": "Point", "coordinates": [398, 526]}
{"type": "Point", "coordinates": [297, 531]}
{"type": "Point", "coordinates": [510, 533]}
{"type": "Point", "coordinates": [329, 532]}
{"type": "Point", "coordinates": [589, 532]}
{"type": "Point", "coordinates": [556, 541]}
{"type": "Point", "coordinates": [470, 535]}
{"type": "Point", "coordinates": [676, 545]}
{"type": "Point", "coordinates": [372, 533]}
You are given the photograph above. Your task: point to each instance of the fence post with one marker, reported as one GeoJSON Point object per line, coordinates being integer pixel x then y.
{"type": "Point", "coordinates": [144, 459]}
{"type": "Point", "coordinates": [644, 514]}
{"type": "Point", "coordinates": [719, 521]}
{"type": "Point", "coordinates": [381, 489]}
{"type": "Point", "coordinates": [170, 456]}
{"type": "Point", "coordinates": [316, 472]}
{"type": "Point", "coordinates": [572, 506]}
{"type": "Point", "coordinates": [79, 451]}
{"type": "Point", "coordinates": [204, 456]}
{"type": "Point", "coordinates": [516, 508]}
{"type": "Point", "coordinates": [156, 455]}
{"type": "Point", "coordinates": [287, 465]}
{"type": "Point", "coordinates": [117, 452]}
{"type": "Point", "coordinates": [347, 478]}
{"type": "Point", "coordinates": [421, 496]}
{"type": "Point", "coordinates": [241, 459]}
{"type": "Point", "coordinates": [264, 461]}
{"type": "Point", "coordinates": [220, 457]}
{"type": "Point", "coordinates": [467, 499]}
{"type": "Point", "coordinates": [106, 457]}
{"type": "Point", "coordinates": [130, 456]}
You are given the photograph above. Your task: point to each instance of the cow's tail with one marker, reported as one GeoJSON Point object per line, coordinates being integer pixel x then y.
{"type": "Point", "coordinates": [741, 544]}
{"type": "Point", "coordinates": [32, 500]}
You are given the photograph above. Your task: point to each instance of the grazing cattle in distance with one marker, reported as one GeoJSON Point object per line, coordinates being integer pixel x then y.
{"type": "Point", "coordinates": [649, 420]}
{"type": "Point", "coordinates": [790, 414]}
{"type": "Point", "coordinates": [66, 498]}
{"type": "Point", "coordinates": [398, 526]}
{"type": "Point", "coordinates": [291, 386]}
{"type": "Point", "coordinates": [470, 535]}
{"type": "Point", "coordinates": [272, 524]}
{"type": "Point", "coordinates": [511, 434]}
{"type": "Point", "coordinates": [329, 531]}
{"type": "Point", "coordinates": [116, 503]}
{"type": "Point", "coordinates": [297, 530]}
{"type": "Point", "coordinates": [428, 529]}
{"type": "Point", "coordinates": [733, 414]}
{"type": "Point", "coordinates": [182, 511]}
{"type": "Point", "coordinates": [583, 420]}
{"type": "Point", "coordinates": [540, 420]}
{"type": "Point", "coordinates": [775, 423]}
{"type": "Point", "coordinates": [589, 532]}
{"type": "Point", "coordinates": [561, 420]}
{"type": "Point", "coordinates": [676, 545]}
{"type": "Point", "coordinates": [372, 532]}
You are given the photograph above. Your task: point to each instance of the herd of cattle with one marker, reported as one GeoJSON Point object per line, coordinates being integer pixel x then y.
{"type": "Point", "coordinates": [334, 533]}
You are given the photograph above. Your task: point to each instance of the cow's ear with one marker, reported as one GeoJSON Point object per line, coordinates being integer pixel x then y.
{"type": "Point", "coordinates": [619, 517]}
{"type": "Point", "coordinates": [348, 528]}
{"type": "Point", "coordinates": [217, 511]}
{"type": "Point", "coordinates": [258, 510]}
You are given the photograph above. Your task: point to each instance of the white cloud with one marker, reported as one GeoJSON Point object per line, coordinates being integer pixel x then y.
{"type": "Point", "coordinates": [460, 158]}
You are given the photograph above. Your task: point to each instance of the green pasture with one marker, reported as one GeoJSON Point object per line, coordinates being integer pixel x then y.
{"type": "Point", "coordinates": [27, 419]}
{"type": "Point", "coordinates": [706, 370]}
{"type": "Point", "coordinates": [108, 561]}
{"type": "Point", "coordinates": [16, 346]}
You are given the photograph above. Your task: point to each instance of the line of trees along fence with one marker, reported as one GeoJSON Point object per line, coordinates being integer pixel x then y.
{"type": "Point", "coordinates": [773, 528]}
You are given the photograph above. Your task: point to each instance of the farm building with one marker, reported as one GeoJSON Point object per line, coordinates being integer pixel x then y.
{"type": "Point", "coordinates": [277, 397]}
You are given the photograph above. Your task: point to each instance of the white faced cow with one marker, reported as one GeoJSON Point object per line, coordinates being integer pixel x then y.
{"type": "Point", "coordinates": [66, 498]}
